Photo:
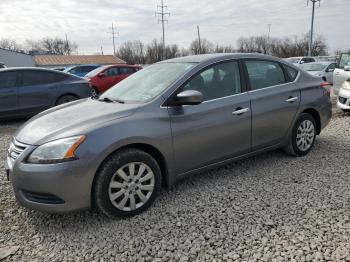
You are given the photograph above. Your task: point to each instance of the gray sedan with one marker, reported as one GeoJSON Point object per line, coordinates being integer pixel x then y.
{"type": "Point", "coordinates": [166, 122]}
{"type": "Point", "coordinates": [27, 91]}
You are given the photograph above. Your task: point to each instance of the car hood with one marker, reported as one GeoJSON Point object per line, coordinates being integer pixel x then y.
{"type": "Point", "coordinates": [75, 118]}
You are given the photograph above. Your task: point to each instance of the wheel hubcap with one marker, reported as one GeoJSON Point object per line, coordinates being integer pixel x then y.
{"type": "Point", "coordinates": [131, 186]}
{"type": "Point", "coordinates": [305, 135]}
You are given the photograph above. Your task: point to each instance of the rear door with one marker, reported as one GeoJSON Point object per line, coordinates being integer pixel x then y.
{"type": "Point", "coordinates": [8, 93]}
{"type": "Point", "coordinates": [38, 90]}
{"type": "Point", "coordinates": [217, 129]}
{"type": "Point", "coordinates": [274, 101]}
{"type": "Point", "coordinates": [126, 71]}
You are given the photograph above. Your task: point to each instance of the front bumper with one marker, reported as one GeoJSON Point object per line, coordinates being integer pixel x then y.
{"type": "Point", "coordinates": [343, 100]}
{"type": "Point", "coordinates": [53, 188]}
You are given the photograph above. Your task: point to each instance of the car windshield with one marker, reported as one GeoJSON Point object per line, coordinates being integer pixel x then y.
{"type": "Point", "coordinates": [314, 67]}
{"type": "Point", "coordinates": [147, 83]}
{"type": "Point", "coordinates": [293, 60]}
{"type": "Point", "coordinates": [95, 71]}
{"type": "Point", "coordinates": [344, 61]}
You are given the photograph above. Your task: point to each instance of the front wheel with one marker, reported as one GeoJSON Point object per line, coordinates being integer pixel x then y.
{"type": "Point", "coordinates": [66, 99]}
{"type": "Point", "coordinates": [127, 183]}
{"type": "Point", "coordinates": [303, 136]}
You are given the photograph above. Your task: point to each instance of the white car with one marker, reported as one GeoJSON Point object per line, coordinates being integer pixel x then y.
{"type": "Point", "coordinates": [322, 69]}
{"type": "Point", "coordinates": [341, 82]}
{"type": "Point", "coordinates": [299, 60]}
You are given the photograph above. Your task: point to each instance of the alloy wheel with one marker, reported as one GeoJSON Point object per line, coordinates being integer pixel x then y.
{"type": "Point", "coordinates": [131, 186]}
{"type": "Point", "coordinates": [305, 135]}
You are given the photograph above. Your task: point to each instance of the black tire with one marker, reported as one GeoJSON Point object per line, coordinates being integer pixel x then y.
{"type": "Point", "coordinates": [101, 190]}
{"type": "Point", "coordinates": [66, 99]}
{"type": "Point", "coordinates": [346, 110]}
{"type": "Point", "coordinates": [94, 92]}
{"type": "Point", "coordinates": [292, 147]}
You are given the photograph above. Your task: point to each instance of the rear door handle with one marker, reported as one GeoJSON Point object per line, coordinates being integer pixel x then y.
{"type": "Point", "coordinates": [292, 99]}
{"type": "Point", "coordinates": [240, 111]}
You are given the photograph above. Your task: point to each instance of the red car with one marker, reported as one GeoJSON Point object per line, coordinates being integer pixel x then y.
{"type": "Point", "coordinates": [104, 77]}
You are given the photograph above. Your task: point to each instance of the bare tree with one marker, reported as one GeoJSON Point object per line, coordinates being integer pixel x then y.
{"type": "Point", "coordinates": [205, 48]}
{"type": "Point", "coordinates": [56, 46]}
{"type": "Point", "coordinates": [10, 44]}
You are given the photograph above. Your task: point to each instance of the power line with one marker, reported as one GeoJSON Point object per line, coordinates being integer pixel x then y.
{"type": "Point", "coordinates": [161, 14]}
{"type": "Point", "coordinates": [114, 34]}
{"type": "Point", "coordinates": [312, 24]}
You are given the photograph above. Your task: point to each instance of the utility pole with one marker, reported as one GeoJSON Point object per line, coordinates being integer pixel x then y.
{"type": "Point", "coordinates": [161, 18]}
{"type": "Point", "coordinates": [199, 40]}
{"type": "Point", "coordinates": [67, 45]}
{"type": "Point", "coordinates": [312, 24]}
{"type": "Point", "coordinates": [268, 38]}
{"type": "Point", "coordinates": [101, 50]}
{"type": "Point", "coordinates": [114, 34]}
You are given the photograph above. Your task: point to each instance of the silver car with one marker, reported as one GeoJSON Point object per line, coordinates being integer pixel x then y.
{"type": "Point", "coordinates": [321, 69]}
{"type": "Point", "coordinates": [300, 60]}
{"type": "Point", "coordinates": [166, 122]}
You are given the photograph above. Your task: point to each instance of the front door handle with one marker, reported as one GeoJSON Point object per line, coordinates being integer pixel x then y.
{"type": "Point", "coordinates": [240, 111]}
{"type": "Point", "coordinates": [292, 99]}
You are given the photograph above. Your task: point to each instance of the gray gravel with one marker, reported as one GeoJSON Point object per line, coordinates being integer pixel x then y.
{"type": "Point", "coordinates": [271, 207]}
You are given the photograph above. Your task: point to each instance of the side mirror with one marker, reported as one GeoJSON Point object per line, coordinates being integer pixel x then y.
{"type": "Point", "coordinates": [189, 97]}
{"type": "Point", "coordinates": [302, 62]}
{"type": "Point", "coordinates": [347, 68]}
{"type": "Point", "coordinates": [101, 74]}
{"type": "Point", "coordinates": [330, 70]}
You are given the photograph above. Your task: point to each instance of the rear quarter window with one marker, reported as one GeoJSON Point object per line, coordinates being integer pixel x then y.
{"type": "Point", "coordinates": [292, 73]}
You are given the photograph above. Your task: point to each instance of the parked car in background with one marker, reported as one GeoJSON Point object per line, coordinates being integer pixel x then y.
{"type": "Point", "coordinates": [59, 69]}
{"type": "Point", "coordinates": [333, 59]}
{"type": "Point", "coordinates": [322, 69]}
{"type": "Point", "coordinates": [2, 65]}
{"type": "Point", "coordinates": [341, 73]}
{"type": "Point", "coordinates": [300, 60]}
{"type": "Point", "coordinates": [27, 91]}
{"type": "Point", "coordinates": [80, 70]}
{"type": "Point", "coordinates": [167, 121]}
{"type": "Point", "coordinates": [343, 100]}
{"type": "Point", "coordinates": [104, 77]}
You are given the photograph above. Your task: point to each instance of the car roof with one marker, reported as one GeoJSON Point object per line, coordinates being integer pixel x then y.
{"type": "Point", "coordinates": [322, 62]}
{"type": "Point", "coordinates": [216, 56]}
{"type": "Point", "coordinates": [38, 69]}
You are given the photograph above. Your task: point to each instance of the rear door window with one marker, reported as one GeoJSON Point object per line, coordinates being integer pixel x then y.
{"type": "Point", "coordinates": [264, 74]}
{"type": "Point", "coordinates": [126, 70]}
{"type": "Point", "coordinates": [32, 77]}
{"type": "Point", "coordinates": [112, 71]}
{"type": "Point", "coordinates": [8, 79]}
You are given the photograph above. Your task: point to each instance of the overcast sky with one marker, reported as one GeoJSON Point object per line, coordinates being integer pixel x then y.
{"type": "Point", "coordinates": [87, 22]}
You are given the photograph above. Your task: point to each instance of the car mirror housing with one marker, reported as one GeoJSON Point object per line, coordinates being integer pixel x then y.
{"type": "Point", "coordinates": [330, 70]}
{"type": "Point", "coordinates": [189, 97]}
{"type": "Point", "coordinates": [101, 74]}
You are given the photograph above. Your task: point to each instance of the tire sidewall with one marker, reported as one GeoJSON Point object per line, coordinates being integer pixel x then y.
{"type": "Point", "coordinates": [106, 172]}
{"type": "Point", "coordinates": [300, 119]}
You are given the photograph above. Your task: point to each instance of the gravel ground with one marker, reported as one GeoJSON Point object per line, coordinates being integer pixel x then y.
{"type": "Point", "coordinates": [271, 207]}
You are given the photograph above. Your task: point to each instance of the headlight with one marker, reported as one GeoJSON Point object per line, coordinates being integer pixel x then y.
{"type": "Point", "coordinates": [346, 84]}
{"type": "Point", "coordinates": [57, 151]}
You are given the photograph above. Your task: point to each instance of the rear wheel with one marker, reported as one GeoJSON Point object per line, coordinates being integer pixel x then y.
{"type": "Point", "coordinates": [346, 110]}
{"type": "Point", "coordinates": [303, 136]}
{"type": "Point", "coordinates": [127, 183]}
{"type": "Point", "coordinates": [66, 99]}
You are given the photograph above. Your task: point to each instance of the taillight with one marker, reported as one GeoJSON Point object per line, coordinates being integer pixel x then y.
{"type": "Point", "coordinates": [327, 86]}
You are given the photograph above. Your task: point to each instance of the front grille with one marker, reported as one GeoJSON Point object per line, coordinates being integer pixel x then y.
{"type": "Point", "coordinates": [16, 149]}
{"type": "Point", "coordinates": [43, 198]}
{"type": "Point", "coordinates": [342, 100]}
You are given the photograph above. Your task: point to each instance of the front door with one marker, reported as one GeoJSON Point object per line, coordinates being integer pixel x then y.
{"type": "Point", "coordinates": [274, 100]}
{"type": "Point", "coordinates": [8, 94]}
{"type": "Point", "coordinates": [217, 129]}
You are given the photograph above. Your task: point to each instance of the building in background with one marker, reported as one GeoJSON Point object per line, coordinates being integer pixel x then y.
{"type": "Point", "coordinates": [16, 59]}
{"type": "Point", "coordinates": [59, 61]}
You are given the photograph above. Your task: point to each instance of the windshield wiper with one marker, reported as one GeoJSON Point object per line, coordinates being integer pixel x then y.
{"type": "Point", "coordinates": [109, 100]}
